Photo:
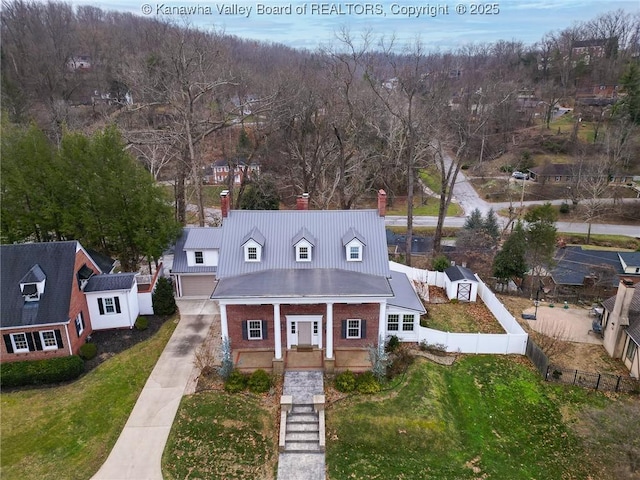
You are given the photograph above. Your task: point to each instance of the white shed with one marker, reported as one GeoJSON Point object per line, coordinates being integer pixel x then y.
{"type": "Point", "coordinates": [112, 300]}
{"type": "Point", "coordinates": [460, 283]}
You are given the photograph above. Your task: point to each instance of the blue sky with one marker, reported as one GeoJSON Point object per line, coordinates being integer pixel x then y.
{"type": "Point", "coordinates": [524, 20]}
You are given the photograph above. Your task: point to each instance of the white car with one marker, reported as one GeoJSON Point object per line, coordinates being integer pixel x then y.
{"type": "Point", "coordinates": [520, 175]}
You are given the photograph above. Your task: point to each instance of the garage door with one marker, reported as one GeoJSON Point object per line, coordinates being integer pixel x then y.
{"type": "Point", "coordinates": [197, 285]}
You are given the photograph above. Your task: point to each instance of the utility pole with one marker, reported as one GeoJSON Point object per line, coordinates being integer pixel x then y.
{"type": "Point", "coordinates": [522, 196]}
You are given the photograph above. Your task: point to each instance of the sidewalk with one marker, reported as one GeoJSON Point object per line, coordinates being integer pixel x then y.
{"type": "Point", "coordinates": [137, 453]}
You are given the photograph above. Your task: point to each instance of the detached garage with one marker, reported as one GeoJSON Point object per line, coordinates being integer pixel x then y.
{"type": "Point", "coordinates": [195, 262]}
{"type": "Point", "coordinates": [461, 284]}
{"type": "Point", "coordinates": [195, 285]}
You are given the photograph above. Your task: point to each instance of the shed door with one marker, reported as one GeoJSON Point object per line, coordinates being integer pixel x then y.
{"type": "Point", "coordinates": [464, 292]}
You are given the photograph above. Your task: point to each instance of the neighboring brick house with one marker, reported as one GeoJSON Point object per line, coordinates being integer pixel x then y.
{"type": "Point", "coordinates": [621, 325]}
{"type": "Point", "coordinates": [44, 311]}
{"type": "Point", "coordinates": [219, 171]}
{"type": "Point", "coordinates": [54, 296]}
{"type": "Point", "coordinates": [310, 289]}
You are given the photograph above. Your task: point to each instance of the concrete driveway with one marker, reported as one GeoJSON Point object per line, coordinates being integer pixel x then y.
{"type": "Point", "coordinates": [137, 453]}
{"type": "Point", "coordinates": [571, 324]}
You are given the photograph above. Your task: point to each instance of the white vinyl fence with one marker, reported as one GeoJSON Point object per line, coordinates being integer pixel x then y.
{"type": "Point", "coordinates": [513, 341]}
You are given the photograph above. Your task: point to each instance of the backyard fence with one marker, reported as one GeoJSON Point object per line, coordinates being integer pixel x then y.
{"type": "Point", "coordinates": [513, 341]}
{"type": "Point", "coordinates": [597, 381]}
{"type": "Point", "coordinates": [537, 357]}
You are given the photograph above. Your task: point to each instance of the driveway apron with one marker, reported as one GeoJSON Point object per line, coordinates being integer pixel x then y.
{"type": "Point", "coordinates": [138, 451]}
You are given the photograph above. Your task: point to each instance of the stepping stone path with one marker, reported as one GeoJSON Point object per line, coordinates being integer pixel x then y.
{"type": "Point", "coordinates": [302, 458]}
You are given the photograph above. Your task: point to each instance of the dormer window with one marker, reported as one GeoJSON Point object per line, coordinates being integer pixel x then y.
{"type": "Point", "coordinates": [354, 244]}
{"type": "Point", "coordinates": [30, 292]}
{"type": "Point", "coordinates": [32, 284]}
{"type": "Point", "coordinates": [303, 243]}
{"type": "Point", "coordinates": [199, 256]}
{"type": "Point", "coordinates": [252, 245]}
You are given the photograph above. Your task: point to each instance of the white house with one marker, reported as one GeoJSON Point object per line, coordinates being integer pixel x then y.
{"type": "Point", "coordinates": [195, 261]}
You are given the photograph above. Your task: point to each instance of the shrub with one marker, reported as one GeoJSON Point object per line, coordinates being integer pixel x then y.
{"type": "Point", "coordinates": [400, 361]}
{"type": "Point", "coordinates": [162, 298]}
{"type": "Point", "coordinates": [259, 382]}
{"type": "Point", "coordinates": [564, 207]}
{"type": "Point", "coordinates": [435, 348]}
{"type": "Point", "coordinates": [506, 168]}
{"type": "Point", "coordinates": [455, 301]}
{"type": "Point", "coordinates": [345, 381]}
{"type": "Point", "coordinates": [40, 372]}
{"type": "Point", "coordinates": [236, 382]}
{"type": "Point", "coordinates": [88, 351]}
{"type": "Point", "coordinates": [440, 263]}
{"type": "Point", "coordinates": [367, 383]}
{"type": "Point", "coordinates": [142, 323]}
{"type": "Point", "coordinates": [392, 344]}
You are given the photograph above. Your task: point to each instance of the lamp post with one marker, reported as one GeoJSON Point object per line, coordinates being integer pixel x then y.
{"type": "Point", "coordinates": [536, 302]}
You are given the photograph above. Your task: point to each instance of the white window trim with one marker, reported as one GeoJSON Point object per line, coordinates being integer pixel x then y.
{"type": "Point", "coordinates": [249, 329]}
{"type": "Point", "coordinates": [257, 246]}
{"type": "Point", "coordinates": [349, 320]}
{"type": "Point", "coordinates": [79, 322]}
{"type": "Point", "coordinates": [113, 305]}
{"type": "Point", "coordinates": [355, 243]}
{"type": "Point", "coordinates": [405, 322]}
{"type": "Point", "coordinates": [15, 347]}
{"type": "Point", "coordinates": [44, 343]}
{"type": "Point", "coordinates": [304, 244]}
{"type": "Point", "coordinates": [395, 324]}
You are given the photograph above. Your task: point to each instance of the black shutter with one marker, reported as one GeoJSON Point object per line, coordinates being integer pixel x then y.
{"type": "Point", "coordinates": [100, 306]}
{"type": "Point", "coordinates": [117, 301]}
{"type": "Point", "coordinates": [8, 344]}
{"type": "Point", "coordinates": [344, 329]}
{"type": "Point", "coordinates": [264, 330]}
{"type": "Point", "coordinates": [82, 320]}
{"type": "Point", "coordinates": [363, 329]}
{"type": "Point", "coordinates": [36, 339]}
{"type": "Point", "coordinates": [59, 339]}
{"type": "Point", "coordinates": [77, 327]}
{"type": "Point", "coordinates": [245, 333]}
{"type": "Point", "coordinates": [32, 347]}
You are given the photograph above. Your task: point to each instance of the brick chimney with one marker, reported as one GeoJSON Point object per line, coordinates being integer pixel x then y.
{"type": "Point", "coordinates": [382, 203]}
{"type": "Point", "coordinates": [224, 203]}
{"type": "Point", "coordinates": [302, 202]}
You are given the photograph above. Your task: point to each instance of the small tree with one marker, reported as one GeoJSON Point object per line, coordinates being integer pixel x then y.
{"type": "Point", "coordinates": [474, 221]}
{"type": "Point", "coordinates": [510, 261]}
{"type": "Point", "coordinates": [440, 263]}
{"type": "Point", "coordinates": [490, 225]}
{"type": "Point", "coordinates": [162, 298]}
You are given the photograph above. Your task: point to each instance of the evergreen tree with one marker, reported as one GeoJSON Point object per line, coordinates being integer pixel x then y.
{"type": "Point", "coordinates": [162, 299]}
{"type": "Point", "coordinates": [260, 194]}
{"type": "Point", "coordinates": [630, 82]}
{"type": "Point", "coordinates": [474, 221]}
{"type": "Point", "coordinates": [490, 225]}
{"type": "Point", "coordinates": [510, 261]}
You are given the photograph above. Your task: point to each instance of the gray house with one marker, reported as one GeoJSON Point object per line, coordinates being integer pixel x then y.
{"type": "Point", "coordinates": [195, 262]}
{"type": "Point", "coordinates": [310, 289]}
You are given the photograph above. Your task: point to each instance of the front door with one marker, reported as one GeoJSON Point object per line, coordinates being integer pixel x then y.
{"type": "Point", "coordinates": [304, 333]}
{"type": "Point", "coordinates": [304, 330]}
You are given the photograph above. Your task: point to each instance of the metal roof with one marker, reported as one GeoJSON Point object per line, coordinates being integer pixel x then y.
{"type": "Point", "coordinates": [203, 238]}
{"type": "Point", "coordinates": [302, 283]}
{"type": "Point", "coordinates": [56, 260]}
{"type": "Point", "coordinates": [180, 255]}
{"type": "Point", "coordinates": [306, 235]}
{"type": "Point", "coordinates": [404, 294]}
{"type": "Point", "coordinates": [279, 227]}
{"type": "Point", "coordinates": [110, 282]}
{"type": "Point", "coordinates": [457, 272]}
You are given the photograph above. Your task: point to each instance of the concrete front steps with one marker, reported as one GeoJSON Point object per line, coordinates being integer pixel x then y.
{"type": "Point", "coordinates": [302, 430]}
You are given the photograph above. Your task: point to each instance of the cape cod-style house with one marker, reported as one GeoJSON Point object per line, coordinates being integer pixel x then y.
{"type": "Point", "coordinates": [310, 288]}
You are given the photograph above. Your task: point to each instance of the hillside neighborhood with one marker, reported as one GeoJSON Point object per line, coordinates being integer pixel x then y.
{"type": "Point", "coordinates": [223, 258]}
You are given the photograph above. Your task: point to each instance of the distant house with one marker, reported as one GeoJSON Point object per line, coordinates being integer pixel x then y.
{"type": "Point", "coordinates": [79, 63]}
{"type": "Point", "coordinates": [621, 325]}
{"type": "Point", "coordinates": [218, 172]}
{"type": "Point", "coordinates": [195, 262]}
{"type": "Point", "coordinates": [461, 284]}
{"type": "Point", "coordinates": [590, 272]}
{"type": "Point", "coordinates": [586, 50]}
{"type": "Point", "coordinates": [553, 172]}
{"type": "Point", "coordinates": [54, 295]}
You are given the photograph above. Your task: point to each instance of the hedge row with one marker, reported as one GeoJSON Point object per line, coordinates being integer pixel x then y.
{"type": "Point", "coordinates": [40, 372]}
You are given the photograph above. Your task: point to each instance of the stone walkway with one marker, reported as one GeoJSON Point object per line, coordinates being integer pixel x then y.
{"type": "Point", "coordinates": [302, 386]}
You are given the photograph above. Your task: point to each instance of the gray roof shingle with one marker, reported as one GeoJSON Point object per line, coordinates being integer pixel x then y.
{"type": "Point", "coordinates": [404, 294]}
{"type": "Point", "coordinates": [34, 275]}
{"type": "Point", "coordinates": [56, 260]}
{"type": "Point", "coordinates": [457, 272]}
{"type": "Point", "coordinates": [110, 282]}
{"type": "Point", "coordinates": [279, 227]}
{"type": "Point", "coordinates": [573, 264]}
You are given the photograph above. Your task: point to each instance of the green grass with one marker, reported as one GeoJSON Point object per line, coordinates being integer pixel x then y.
{"type": "Point", "coordinates": [68, 431]}
{"type": "Point", "coordinates": [431, 178]}
{"type": "Point", "coordinates": [484, 417]}
{"type": "Point", "coordinates": [223, 436]}
{"type": "Point", "coordinates": [429, 210]}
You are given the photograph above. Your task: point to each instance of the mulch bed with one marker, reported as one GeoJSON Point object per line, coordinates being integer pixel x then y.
{"type": "Point", "coordinates": [111, 342]}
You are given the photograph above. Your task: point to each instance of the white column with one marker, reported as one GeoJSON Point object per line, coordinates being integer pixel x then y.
{"type": "Point", "coordinates": [277, 330]}
{"type": "Point", "coordinates": [224, 326]}
{"type": "Point", "coordinates": [329, 330]}
{"type": "Point", "coordinates": [382, 321]}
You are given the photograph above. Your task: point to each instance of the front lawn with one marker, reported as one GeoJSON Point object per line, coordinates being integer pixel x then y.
{"type": "Point", "coordinates": [483, 417]}
{"type": "Point", "coordinates": [218, 435]}
{"type": "Point", "coordinates": [67, 431]}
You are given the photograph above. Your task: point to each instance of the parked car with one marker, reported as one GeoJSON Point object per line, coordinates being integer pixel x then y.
{"type": "Point", "coordinates": [520, 175]}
